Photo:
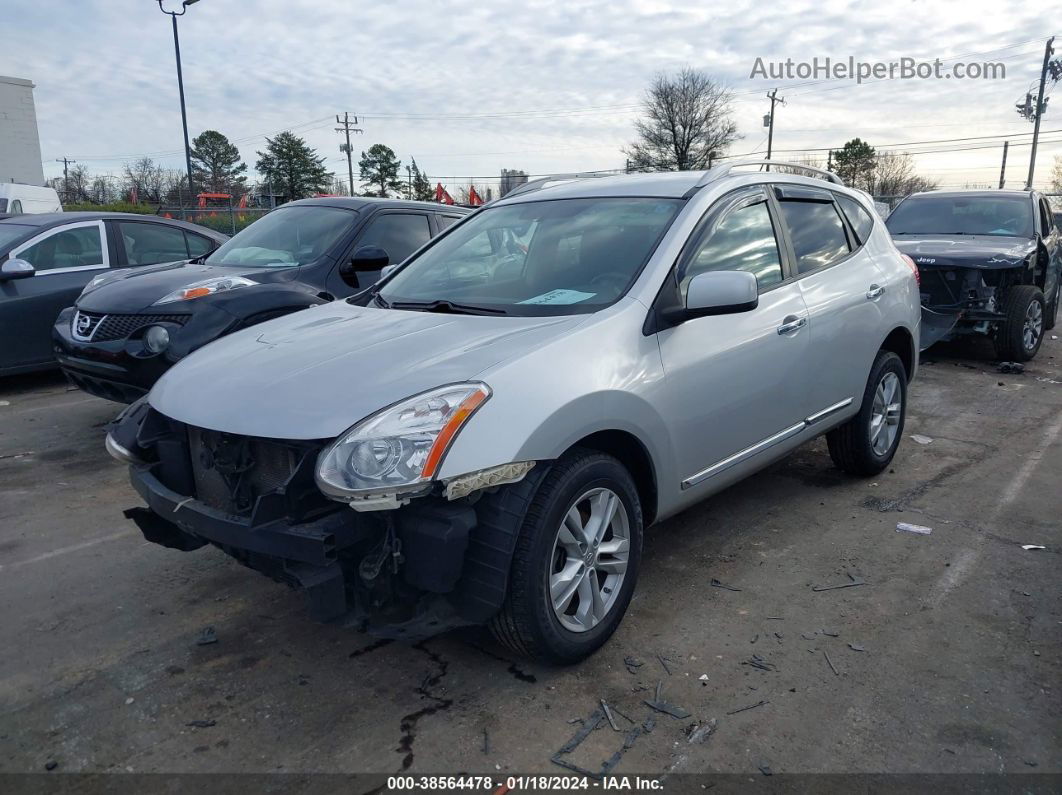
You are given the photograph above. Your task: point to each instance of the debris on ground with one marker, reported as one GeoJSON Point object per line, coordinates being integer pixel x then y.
{"type": "Point", "coordinates": [1017, 368]}
{"type": "Point", "coordinates": [750, 706]}
{"type": "Point", "coordinates": [917, 437]}
{"type": "Point", "coordinates": [756, 661]}
{"type": "Point", "coordinates": [700, 732]}
{"type": "Point", "coordinates": [832, 633]}
{"type": "Point", "coordinates": [206, 637]}
{"type": "Point", "coordinates": [589, 725]}
{"type": "Point", "coordinates": [1028, 547]}
{"type": "Point", "coordinates": [904, 527]}
{"type": "Point", "coordinates": [856, 647]}
{"type": "Point", "coordinates": [486, 741]}
{"type": "Point", "coordinates": [632, 663]}
{"type": "Point", "coordinates": [663, 662]}
{"type": "Point", "coordinates": [717, 584]}
{"type": "Point", "coordinates": [852, 583]}
{"type": "Point", "coordinates": [660, 705]}
{"type": "Point", "coordinates": [765, 769]}
{"type": "Point", "coordinates": [202, 724]}
{"type": "Point", "coordinates": [829, 662]}
{"type": "Point", "coordinates": [608, 715]}
{"type": "Point", "coordinates": [51, 764]}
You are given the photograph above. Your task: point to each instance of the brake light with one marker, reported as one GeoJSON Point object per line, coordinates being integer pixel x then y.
{"type": "Point", "coordinates": [914, 269]}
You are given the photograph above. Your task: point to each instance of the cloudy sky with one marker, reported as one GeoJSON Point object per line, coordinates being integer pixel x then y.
{"type": "Point", "coordinates": [468, 88]}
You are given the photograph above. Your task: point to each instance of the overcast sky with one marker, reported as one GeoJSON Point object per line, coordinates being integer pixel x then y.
{"type": "Point", "coordinates": [468, 88]}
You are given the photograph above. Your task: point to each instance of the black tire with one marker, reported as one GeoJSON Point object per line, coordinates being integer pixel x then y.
{"type": "Point", "coordinates": [850, 444]}
{"type": "Point", "coordinates": [527, 623]}
{"type": "Point", "coordinates": [1051, 318]}
{"type": "Point", "coordinates": [1010, 336]}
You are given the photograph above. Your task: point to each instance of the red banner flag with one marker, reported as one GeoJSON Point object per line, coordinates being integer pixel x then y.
{"type": "Point", "coordinates": [442, 196]}
{"type": "Point", "coordinates": [474, 198]}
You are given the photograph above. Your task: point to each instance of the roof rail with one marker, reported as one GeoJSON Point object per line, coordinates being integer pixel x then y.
{"type": "Point", "coordinates": [718, 172]}
{"type": "Point", "coordinates": [545, 182]}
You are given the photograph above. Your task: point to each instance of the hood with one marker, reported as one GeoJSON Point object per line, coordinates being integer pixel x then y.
{"type": "Point", "coordinates": [315, 373]}
{"type": "Point", "coordinates": [965, 251]}
{"type": "Point", "coordinates": [132, 290]}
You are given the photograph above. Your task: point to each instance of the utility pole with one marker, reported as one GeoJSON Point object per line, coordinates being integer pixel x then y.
{"type": "Point", "coordinates": [769, 121]}
{"type": "Point", "coordinates": [1003, 168]}
{"type": "Point", "coordinates": [829, 160]}
{"type": "Point", "coordinates": [409, 180]}
{"type": "Point", "coordinates": [1040, 108]}
{"type": "Point", "coordinates": [66, 177]}
{"type": "Point", "coordinates": [347, 130]}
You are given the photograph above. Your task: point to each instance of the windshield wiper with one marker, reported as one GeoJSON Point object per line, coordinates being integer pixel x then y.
{"type": "Point", "coordinates": [445, 307]}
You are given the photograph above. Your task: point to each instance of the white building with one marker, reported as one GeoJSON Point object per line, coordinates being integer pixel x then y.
{"type": "Point", "coordinates": [20, 145]}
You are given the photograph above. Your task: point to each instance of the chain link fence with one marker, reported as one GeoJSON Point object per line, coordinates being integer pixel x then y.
{"type": "Point", "coordinates": [228, 220]}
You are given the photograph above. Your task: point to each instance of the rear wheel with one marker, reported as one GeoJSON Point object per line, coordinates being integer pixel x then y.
{"type": "Point", "coordinates": [866, 443]}
{"type": "Point", "coordinates": [576, 561]}
{"type": "Point", "coordinates": [1022, 330]}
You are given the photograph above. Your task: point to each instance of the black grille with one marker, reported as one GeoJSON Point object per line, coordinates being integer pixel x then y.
{"type": "Point", "coordinates": [232, 471]}
{"type": "Point", "coordinates": [118, 327]}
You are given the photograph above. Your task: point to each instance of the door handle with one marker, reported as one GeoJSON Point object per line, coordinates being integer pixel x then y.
{"type": "Point", "coordinates": [792, 323]}
{"type": "Point", "coordinates": [875, 292]}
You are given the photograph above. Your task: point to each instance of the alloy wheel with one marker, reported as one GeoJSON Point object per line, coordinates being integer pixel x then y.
{"type": "Point", "coordinates": [885, 413]}
{"type": "Point", "coordinates": [1034, 325]}
{"type": "Point", "coordinates": [589, 560]}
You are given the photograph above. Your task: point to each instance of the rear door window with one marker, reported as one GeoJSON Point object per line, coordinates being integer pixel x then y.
{"type": "Point", "coordinates": [198, 245]}
{"type": "Point", "coordinates": [816, 232]}
{"type": "Point", "coordinates": [399, 234]}
{"type": "Point", "coordinates": [149, 244]}
{"type": "Point", "coordinates": [446, 221]}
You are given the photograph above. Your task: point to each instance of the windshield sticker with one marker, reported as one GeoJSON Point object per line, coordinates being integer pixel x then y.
{"type": "Point", "coordinates": [559, 297]}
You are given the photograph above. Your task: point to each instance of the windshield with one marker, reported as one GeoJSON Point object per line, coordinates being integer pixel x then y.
{"type": "Point", "coordinates": [564, 256]}
{"type": "Point", "coordinates": [1006, 216]}
{"type": "Point", "coordinates": [284, 238]}
{"type": "Point", "coordinates": [12, 232]}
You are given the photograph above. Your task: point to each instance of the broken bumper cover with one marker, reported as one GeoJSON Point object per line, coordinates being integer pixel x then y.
{"type": "Point", "coordinates": [303, 556]}
{"type": "Point", "coordinates": [432, 568]}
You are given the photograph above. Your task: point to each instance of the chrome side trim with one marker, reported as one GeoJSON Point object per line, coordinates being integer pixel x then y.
{"type": "Point", "coordinates": [826, 412]}
{"type": "Point", "coordinates": [738, 457]}
{"type": "Point", "coordinates": [759, 447]}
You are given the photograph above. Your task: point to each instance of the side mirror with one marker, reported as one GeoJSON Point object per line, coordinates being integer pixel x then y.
{"type": "Point", "coordinates": [366, 259]}
{"type": "Point", "coordinates": [16, 269]}
{"type": "Point", "coordinates": [721, 293]}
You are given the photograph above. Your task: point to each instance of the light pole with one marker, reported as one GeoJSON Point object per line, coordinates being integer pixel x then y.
{"type": "Point", "coordinates": [180, 87]}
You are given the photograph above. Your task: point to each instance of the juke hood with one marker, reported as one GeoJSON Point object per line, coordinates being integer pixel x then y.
{"type": "Point", "coordinates": [965, 251]}
{"type": "Point", "coordinates": [315, 373]}
{"type": "Point", "coordinates": [133, 290]}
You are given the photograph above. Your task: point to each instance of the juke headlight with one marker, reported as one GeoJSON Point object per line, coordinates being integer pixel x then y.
{"type": "Point", "coordinates": [400, 447]}
{"type": "Point", "coordinates": [217, 284]}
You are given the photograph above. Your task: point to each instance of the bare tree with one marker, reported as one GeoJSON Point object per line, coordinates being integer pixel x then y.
{"type": "Point", "coordinates": [687, 123]}
{"type": "Point", "coordinates": [1056, 175]}
{"type": "Point", "coordinates": [894, 175]}
{"type": "Point", "coordinates": [146, 177]}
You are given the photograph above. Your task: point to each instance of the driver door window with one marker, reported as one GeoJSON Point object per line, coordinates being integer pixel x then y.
{"type": "Point", "coordinates": [68, 248]}
{"type": "Point", "coordinates": [399, 234]}
{"type": "Point", "coordinates": [743, 239]}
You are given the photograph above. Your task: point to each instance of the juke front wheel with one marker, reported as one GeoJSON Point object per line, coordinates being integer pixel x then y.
{"type": "Point", "coordinates": [866, 443]}
{"type": "Point", "coordinates": [576, 561]}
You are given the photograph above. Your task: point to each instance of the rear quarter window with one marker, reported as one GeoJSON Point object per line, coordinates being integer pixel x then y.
{"type": "Point", "coordinates": [861, 220]}
{"type": "Point", "coordinates": [816, 232]}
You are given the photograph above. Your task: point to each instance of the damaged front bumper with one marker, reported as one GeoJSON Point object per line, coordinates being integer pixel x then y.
{"type": "Point", "coordinates": [407, 573]}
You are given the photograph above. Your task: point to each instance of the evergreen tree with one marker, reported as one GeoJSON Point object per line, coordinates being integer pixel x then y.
{"type": "Point", "coordinates": [216, 165]}
{"type": "Point", "coordinates": [379, 170]}
{"type": "Point", "coordinates": [292, 168]}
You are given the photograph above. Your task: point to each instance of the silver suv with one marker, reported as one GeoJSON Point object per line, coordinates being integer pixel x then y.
{"type": "Point", "coordinates": [484, 435]}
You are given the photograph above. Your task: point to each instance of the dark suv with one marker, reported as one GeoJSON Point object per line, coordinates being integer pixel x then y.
{"type": "Point", "coordinates": [128, 327]}
{"type": "Point", "coordinates": [989, 263]}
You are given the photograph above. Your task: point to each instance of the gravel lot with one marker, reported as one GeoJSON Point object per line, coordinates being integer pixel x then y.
{"type": "Point", "coordinates": [945, 660]}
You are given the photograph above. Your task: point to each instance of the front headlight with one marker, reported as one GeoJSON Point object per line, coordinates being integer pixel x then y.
{"type": "Point", "coordinates": [217, 284]}
{"type": "Point", "coordinates": [400, 447]}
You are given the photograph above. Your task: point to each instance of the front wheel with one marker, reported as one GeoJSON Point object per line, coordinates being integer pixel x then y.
{"type": "Point", "coordinates": [576, 561]}
{"type": "Point", "coordinates": [866, 443]}
{"type": "Point", "coordinates": [1022, 330]}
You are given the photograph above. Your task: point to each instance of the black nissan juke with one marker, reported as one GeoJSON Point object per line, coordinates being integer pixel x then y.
{"type": "Point", "coordinates": [129, 326]}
